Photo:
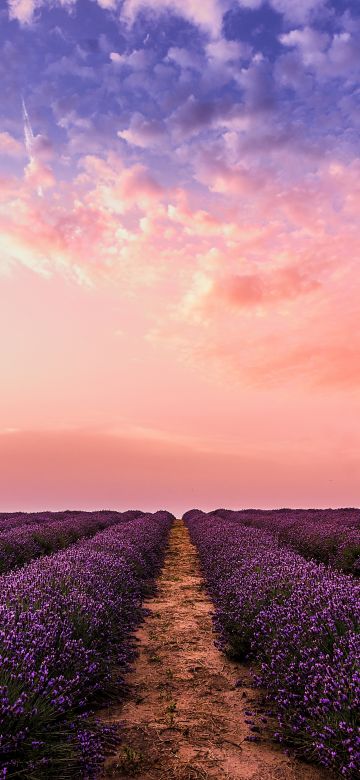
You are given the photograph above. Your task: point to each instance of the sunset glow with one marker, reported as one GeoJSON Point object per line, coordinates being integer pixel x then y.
{"type": "Point", "coordinates": [179, 201]}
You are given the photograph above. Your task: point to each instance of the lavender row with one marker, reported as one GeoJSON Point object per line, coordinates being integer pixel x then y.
{"type": "Point", "coordinates": [331, 536]}
{"type": "Point", "coordinates": [10, 520]}
{"type": "Point", "coordinates": [298, 621]}
{"type": "Point", "coordinates": [65, 642]}
{"type": "Point", "coordinates": [23, 543]}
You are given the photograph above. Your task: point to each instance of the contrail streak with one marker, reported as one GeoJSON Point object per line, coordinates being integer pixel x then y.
{"type": "Point", "coordinates": [29, 139]}
{"type": "Point", "coordinates": [28, 133]}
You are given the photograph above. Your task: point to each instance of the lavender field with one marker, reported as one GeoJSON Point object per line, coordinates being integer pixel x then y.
{"type": "Point", "coordinates": [65, 637]}
{"type": "Point", "coordinates": [331, 536]}
{"type": "Point", "coordinates": [180, 327]}
{"type": "Point", "coordinates": [286, 604]}
{"type": "Point", "coordinates": [29, 537]}
{"type": "Point", "coordinates": [297, 620]}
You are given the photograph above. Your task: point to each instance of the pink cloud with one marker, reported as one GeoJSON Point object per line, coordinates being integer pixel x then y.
{"type": "Point", "coordinates": [10, 146]}
{"type": "Point", "coordinates": [294, 252]}
{"type": "Point", "coordinates": [221, 177]}
{"type": "Point", "coordinates": [249, 247]}
{"type": "Point", "coordinates": [23, 10]}
{"type": "Point", "coordinates": [38, 175]}
{"type": "Point", "coordinates": [253, 289]}
{"type": "Point", "coordinates": [325, 364]}
{"type": "Point", "coordinates": [113, 187]}
{"type": "Point", "coordinates": [207, 14]}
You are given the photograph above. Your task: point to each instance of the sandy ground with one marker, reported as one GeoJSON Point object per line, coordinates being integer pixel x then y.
{"type": "Point", "coordinates": [184, 718]}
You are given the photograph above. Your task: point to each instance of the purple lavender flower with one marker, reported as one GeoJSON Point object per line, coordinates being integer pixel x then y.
{"type": "Point", "coordinates": [299, 621]}
{"type": "Point", "coordinates": [66, 622]}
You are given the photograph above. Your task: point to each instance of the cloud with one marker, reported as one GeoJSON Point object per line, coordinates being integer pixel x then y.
{"type": "Point", "coordinates": [143, 132]}
{"type": "Point", "coordinates": [267, 275]}
{"type": "Point", "coordinates": [277, 329]}
{"type": "Point", "coordinates": [207, 15]}
{"type": "Point", "coordinates": [253, 289]}
{"type": "Point", "coordinates": [109, 5]}
{"type": "Point", "coordinates": [107, 223]}
{"type": "Point", "coordinates": [39, 175]}
{"type": "Point", "coordinates": [39, 150]}
{"type": "Point", "coordinates": [137, 60]}
{"type": "Point", "coordinates": [23, 10]}
{"type": "Point", "coordinates": [299, 12]}
{"type": "Point", "coordinates": [42, 147]}
{"type": "Point", "coordinates": [327, 56]}
{"type": "Point", "coordinates": [251, 4]}
{"type": "Point", "coordinates": [198, 222]}
{"type": "Point", "coordinates": [9, 146]}
{"type": "Point", "coordinates": [323, 363]}
{"type": "Point", "coordinates": [196, 115]}
{"type": "Point", "coordinates": [220, 176]}
{"type": "Point", "coordinates": [257, 83]}
{"type": "Point", "coordinates": [118, 189]}
{"type": "Point", "coordinates": [290, 9]}
{"type": "Point", "coordinates": [185, 58]}
{"type": "Point", "coordinates": [271, 298]}
{"type": "Point", "coordinates": [202, 195]}
{"type": "Point", "coordinates": [70, 66]}
{"type": "Point", "coordinates": [311, 43]}
{"type": "Point", "coordinates": [224, 51]}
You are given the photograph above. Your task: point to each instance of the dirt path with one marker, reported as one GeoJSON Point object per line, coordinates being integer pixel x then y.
{"type": "Point", "coordinates": [184, 718]}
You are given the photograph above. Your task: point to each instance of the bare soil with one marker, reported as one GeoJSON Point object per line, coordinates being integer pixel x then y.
{"type": "Point", "coordinates": [184, 718]}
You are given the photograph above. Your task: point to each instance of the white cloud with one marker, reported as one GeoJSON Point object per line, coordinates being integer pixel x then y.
{"type": "Point", "coordinates": [223, 51]}
{"type": "Point", "coordinates": [24, 10]}
{"type": "Point", "coordinates": [137, 60]}
{"type": "Point", "coordinates": [294, 10]}
{"type": "Point", "coordinates": [299, 11]}
{"type": "Point", "coordinates": [207, 14]}
{"type": "Point", "coordinates": [328, 57]}
{"type": "Point", "coordinates": [143, 132]}
{"type": "Point", "coordinates": [252, 4]}
{"type": "Point", "coordinates": [185, 58]}
{"type": "Point", "coordinates": [310, 42]}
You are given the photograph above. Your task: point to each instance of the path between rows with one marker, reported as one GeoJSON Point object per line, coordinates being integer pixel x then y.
{"type": "Point", "coordinates": [184, 719]}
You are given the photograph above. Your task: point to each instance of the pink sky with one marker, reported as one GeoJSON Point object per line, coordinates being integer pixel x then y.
{"type": "Point", "coordinates": [93, 415]}
{"type": "Point", "coordinates": [180, 323]}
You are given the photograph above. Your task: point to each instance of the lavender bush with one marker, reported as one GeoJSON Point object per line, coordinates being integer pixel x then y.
{"type": "Point", "coordinates": [10, 520]}
{"type": "Point", "coordinates": [44, 533]}
{"type": "Point", "coordinates": [331, 536]}
{"type": "Point", "coordinates": [299, 622]}
{"type": "Point", "coordinates": [65, 641]}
